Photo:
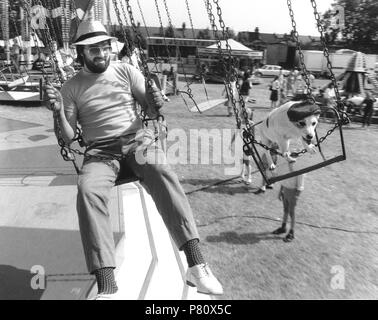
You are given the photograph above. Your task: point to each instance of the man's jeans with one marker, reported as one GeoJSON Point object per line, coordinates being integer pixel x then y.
{"type": "Point", "coordinates": [96, 179]}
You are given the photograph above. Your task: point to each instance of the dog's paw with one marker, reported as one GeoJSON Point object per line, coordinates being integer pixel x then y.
{"type": "Point", "coordinates": [288, 157]}
{"type": "Point", "coordinates": [311, 148]}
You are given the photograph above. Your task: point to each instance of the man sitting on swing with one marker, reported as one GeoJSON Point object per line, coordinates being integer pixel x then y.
{"type": "Point", "coordinates": [102, 98]}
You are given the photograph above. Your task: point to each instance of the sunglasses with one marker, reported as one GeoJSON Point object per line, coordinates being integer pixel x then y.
{"type": "Point", "coordinates": [96, 51]}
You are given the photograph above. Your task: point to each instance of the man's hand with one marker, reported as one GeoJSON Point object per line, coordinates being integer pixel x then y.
{"type": "Point", "coordinates": [52, 98]}
{"type": "Point", "coordinates": [154, 99]}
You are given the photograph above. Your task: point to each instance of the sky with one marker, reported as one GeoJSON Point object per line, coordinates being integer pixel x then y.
{"type": "Point", "coordinates": [271, 16]}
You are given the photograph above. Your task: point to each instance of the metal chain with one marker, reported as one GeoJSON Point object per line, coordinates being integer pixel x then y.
{"type": "Point", "coordinates": [50, 46]}
{"type": "Point", "coordinates": [164, 39]}
{"type": "Point", "coordinates": [248, 140]}
{"type": "Point", "coordinates": [189, 90]}
{"type": "Point", "coordinates": [124, 12]}
{"type": "Point", "coordinates": [53, 21]}
{"type": "Point", "coordinates": [222, 60]}
{"type": "Point", "coordinates": [295, 35]}
{"type": "Point", "coordinates": [248, 136]}
{"type": "Point", "coordinates": [139, 42]}
{"type": "Point", "coordinates": [123, 28]}
{"type": "Point", "coordinates": [66, 150]}
{"type": "Point", "coordinates": [190, 19]}
{"type": "Point", "coordinates": [340, 104]}
{"type": "Point", "coordinates": [229, 67]}
{"type": "Point", "coordinates": [74, 13]}
{"type": "Point", "coordinates": [160, 118]}
{"type": "Point", "coordinates": [148, 34]}
{"type": "Point", "coordinates": [202, 75]}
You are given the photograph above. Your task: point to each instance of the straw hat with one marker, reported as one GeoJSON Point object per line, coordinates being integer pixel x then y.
{"type": "Point", "coordinates": [91, 32]}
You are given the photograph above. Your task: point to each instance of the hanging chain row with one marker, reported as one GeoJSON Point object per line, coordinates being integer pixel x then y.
{"type": "Point", "coordinates": [248, 131]}
{"type": "Point", "coordinates": [123, 28]}
{"type": "Point", "coordinates": [224, 65]}
{"type": "Point", "coordinates": [295, 36]}
{"type": "Point", "coordinates": [248, 136]}
{"type": "Point", "coordinates": [189, 90]}
{"type": "Point", "coordinates": [340, 105]}
{"type": "Point", "coordinates": [147, 32]}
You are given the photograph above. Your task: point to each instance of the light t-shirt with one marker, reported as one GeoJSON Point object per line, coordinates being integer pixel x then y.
{"type": "Point", "coordinates": [104, 104]}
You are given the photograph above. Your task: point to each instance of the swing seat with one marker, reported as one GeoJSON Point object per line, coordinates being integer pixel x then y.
{"type": "Point", "coordinates": [126, 175]}
{"type": "Point", "coordinates": [207, 105]}
{"type": "Point", "coordinates": [18, 82]}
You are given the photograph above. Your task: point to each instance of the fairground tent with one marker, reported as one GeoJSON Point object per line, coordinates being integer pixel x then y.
{"type": "Point", "coordinates": [237, 49]}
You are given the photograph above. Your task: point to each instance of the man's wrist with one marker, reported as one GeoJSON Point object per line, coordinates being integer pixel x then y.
{"type": "Point", "coordinates": [60, 114]}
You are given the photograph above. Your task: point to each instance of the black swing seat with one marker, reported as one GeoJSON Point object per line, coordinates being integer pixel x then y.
{"type": "Point", "coordinates": [126, 175]}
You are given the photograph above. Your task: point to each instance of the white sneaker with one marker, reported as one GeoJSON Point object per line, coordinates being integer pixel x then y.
{"type": "Point", "coordinates": [249, 180]}
{"type": "Point", "coordinates": [200, 276]}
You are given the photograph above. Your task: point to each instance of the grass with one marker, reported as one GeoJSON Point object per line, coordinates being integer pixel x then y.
{"type": "Point", "coordinates": [337, 215]}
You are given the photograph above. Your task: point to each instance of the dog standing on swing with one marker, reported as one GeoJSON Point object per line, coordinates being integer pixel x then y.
{"type": "Point", "coordinates": [292, 120]}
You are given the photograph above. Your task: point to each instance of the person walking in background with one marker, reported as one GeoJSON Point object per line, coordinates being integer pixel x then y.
{"type": "Point", "coordinates": [246, 173]}
{"type": "Point", "coordinates": [245, 86]}
{"type": "Point", "coordinates": [368, 110]}
{"type": "Point", "coordinates": [282, 92]}
{"type": "Point", "coordinates": [15, 57]}
{"type": "Point", "coordinates": [274, 91]}
{"type": "Point", "coordinates": [330, 95]}
{"type": "Point", "coordinates": [227, 94]}
{"type": "Point", "coordinates": [265, 166]}
{"type": "Point", "coordinates": [290, 84]}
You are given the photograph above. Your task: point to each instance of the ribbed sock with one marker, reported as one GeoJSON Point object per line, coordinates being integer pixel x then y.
{"type": "Point", "coordinates": [106, 281]}
{"type": "Point", "coordinates": [193, 253]}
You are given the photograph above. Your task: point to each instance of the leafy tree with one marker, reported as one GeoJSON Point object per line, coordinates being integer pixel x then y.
{"type": "Point", "coordinates": [204, 34]}
{"type": "Point", "coordinates": [161, 31]}
{"type": "Point", "coordinates": [361, 25]}
{"type": "Point", "coordinates": [231, 33]}
{"type": "Point", "coordinates": [169, 32]}
{"type": "Point", "coordinates": [243, 37]}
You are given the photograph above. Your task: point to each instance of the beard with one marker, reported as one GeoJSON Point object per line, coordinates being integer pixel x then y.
{"type": "Point", "coordinates": [97, 65]}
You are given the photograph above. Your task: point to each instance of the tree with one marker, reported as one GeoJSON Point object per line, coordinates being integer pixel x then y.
{"type": "Point", "coordinates": [169, 32]}
{"type": "Point", "coordinates": [243, 37]}
{"type": "Point", "coordinates": [361, 25]}
{"type": "Point", "coordinates": [231, 33]}
{"type": "Point", "coordinates": [204, 34]}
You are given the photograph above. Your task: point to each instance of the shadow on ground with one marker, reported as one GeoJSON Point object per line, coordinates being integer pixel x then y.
{"type": "Point", "coordinates": [15, 284]}
{"type": "Point", "coordinates": [228, 186]}
{"type": "Point", "coordinates": [243, 238]}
